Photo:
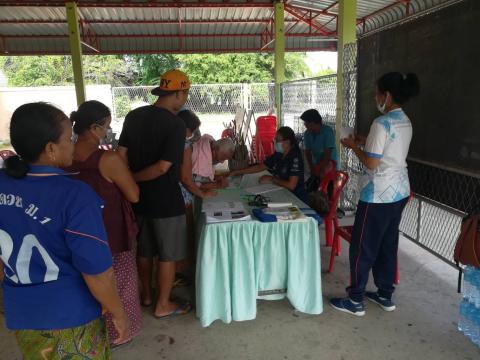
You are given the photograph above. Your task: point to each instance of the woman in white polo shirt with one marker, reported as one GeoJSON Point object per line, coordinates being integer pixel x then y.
{"type": "Point", "coordinates": [385, 189]}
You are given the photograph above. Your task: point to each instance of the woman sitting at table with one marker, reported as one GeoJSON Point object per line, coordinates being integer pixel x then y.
{"type": "Point", "coordinates": [286, 164]}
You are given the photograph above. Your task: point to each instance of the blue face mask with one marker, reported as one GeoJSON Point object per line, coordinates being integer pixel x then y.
{"type": "Point", "coordinates": [278, 147]}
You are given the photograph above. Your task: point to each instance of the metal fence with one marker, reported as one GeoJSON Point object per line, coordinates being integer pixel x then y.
{"type": "Point", "coordinates": [318, 93]}
{"type": "Point", "coordinates": [202, 99]}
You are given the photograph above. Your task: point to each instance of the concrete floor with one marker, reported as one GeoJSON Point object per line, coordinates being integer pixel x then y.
{"type": "Point", "coordinates": [422, 327]}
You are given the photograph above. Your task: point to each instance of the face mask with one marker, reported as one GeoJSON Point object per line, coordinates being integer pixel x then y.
{"type": "Point", "coordinates": [108, 137]}
{"type": "Point", "coordinates": [381, 108]}
{"type": "Point", "coordinates": [278, 147]}
{"type": "Point", "coordinates": [196, 135]}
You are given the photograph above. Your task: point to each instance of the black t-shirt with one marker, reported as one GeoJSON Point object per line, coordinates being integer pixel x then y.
{"type": "Point", "coordinates": [151, 134]}
{"type": "Point", "coordinates": [291, 165]}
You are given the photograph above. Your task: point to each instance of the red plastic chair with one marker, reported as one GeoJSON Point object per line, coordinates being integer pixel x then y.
{"type": "Point", "coordinates": [338, 179]}
{"type": "Point", "coordinates": [266, 126]}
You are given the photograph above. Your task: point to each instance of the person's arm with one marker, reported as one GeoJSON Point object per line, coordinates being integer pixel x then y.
{"type": "Point", "coordinates": [289, 184]}
{"type": "Point", "coordinates": [86, 239]}
{"type": "Point", "coordinates": [153, 171]}
{"type": "Point", "coordinates": [187, 179]}
{"type": "Point", "coordinates": [375, 144]}
{"type": "Point", "coordinates": [308, 157]}
{"type": "Point", "coordinates": [369, 162]}
{"type": "Point", "coordinates": [103, 288]}
{"type": "Point", "coordinates": [322, 164]}
{"type": "Point", "coordinates": [360, 140]}
{"type": "Point", "coordinates": [113, 168]}
{"type": "Point", "coordinates": [122, 151]}
{"type": "Point", "coordinates": [250, 170]}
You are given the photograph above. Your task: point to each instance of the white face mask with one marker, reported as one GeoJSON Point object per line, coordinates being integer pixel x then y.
{"type": "Point", "coordinates": [196, 135]}
{"type": "Point", "coordinates": [381, 108]}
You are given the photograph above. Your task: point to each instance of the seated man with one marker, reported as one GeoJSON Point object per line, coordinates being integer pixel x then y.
{"type": "Point", "coordinates": [206, 153]}
{"type": "Point", "coordinates": [319, 143]}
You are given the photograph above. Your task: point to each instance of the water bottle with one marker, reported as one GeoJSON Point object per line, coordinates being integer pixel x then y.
{"type": "Point", "coordinates": [463, 315]}
{"type": "Point", "coordinates": [475, 331]}
{"type": "Point", "coordinates": [466, 282]}
{"type": "Point", "coordinates": [472, 277]}
{"type": "Point", "coordinates": [468, 325]}
{"type": "Point", "coordinates": [475, 288]}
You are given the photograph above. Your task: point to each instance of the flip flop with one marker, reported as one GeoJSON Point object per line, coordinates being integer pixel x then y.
{"type": "Point", "coordinates": [182, 309]}
{"type": "Point", "coordinates": [114, 347]}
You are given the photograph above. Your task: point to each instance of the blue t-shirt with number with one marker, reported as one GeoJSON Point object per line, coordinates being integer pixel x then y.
{"type": "Point", "coordinates": [51, 231]}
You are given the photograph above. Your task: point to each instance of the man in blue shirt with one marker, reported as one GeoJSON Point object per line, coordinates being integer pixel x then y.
{"type": "Point", "coordinates": [319, 143]}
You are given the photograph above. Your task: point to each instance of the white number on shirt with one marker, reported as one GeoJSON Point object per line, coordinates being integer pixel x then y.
{"type": "Point", "coordinates": [24, 257]}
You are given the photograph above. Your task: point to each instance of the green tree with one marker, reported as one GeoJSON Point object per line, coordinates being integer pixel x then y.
{"type": "Point", "coordinates": [325, 72]}
{"type": "Point", "coordinates": [240, 68]}
{"type": "Point", "coordinates": [57, 70]}
{"type": "Point", "coordinates": [148, 68]}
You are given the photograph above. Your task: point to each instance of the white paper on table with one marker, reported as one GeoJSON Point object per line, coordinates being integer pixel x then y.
{"type": "Point", "coordinates": [227, 215]}
{"type": "Point", "coordinates": [346, 132]}
{"type": "Point", "coordinates": [262, 189]}
{"type": "Point", "coordinates": [274, 205]}
{"type": "Point", "coordinates": [212, 205]}
{"type": "Point", "coordinates": [250, 180]}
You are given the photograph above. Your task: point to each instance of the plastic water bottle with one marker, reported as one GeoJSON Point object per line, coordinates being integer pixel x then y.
{"type": "Point", "coordinates": [475, 288]}
{"type": "Point", "coordinates": [468, 326]}
{"type": "Point", "coordinates": [466, 282]}
{"type": "Point", "coordinates": [475, 331]}
{"type": "Point", "coordinates": [463, 315]}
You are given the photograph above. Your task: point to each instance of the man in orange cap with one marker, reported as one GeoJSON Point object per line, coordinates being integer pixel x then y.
{"type": "Point", "coordinates": [152, 140]}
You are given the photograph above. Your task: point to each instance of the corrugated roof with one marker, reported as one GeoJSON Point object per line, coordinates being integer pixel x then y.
{"type": "Point", "coordinates": [188, 26]}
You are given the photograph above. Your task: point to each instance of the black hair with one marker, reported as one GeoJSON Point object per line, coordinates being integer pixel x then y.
{"type": "Point", "coordinates": [89, 113]}
{"type": "Point", "coordinates": [32, 127]}
{"type": "Point", "coordinates": [192, 122]}
{"type": "Point", "coordinates": [401, 87]}
{"type": "Point", "coordinates": [312, 116]}
{"type": "Point", "coordinates": [288, 134]}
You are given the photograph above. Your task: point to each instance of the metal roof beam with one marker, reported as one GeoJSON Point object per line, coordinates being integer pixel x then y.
{"type": "Point", "coordinates": [313, 24]}
{"type": "Point", "coordinates": [146, 4]}
{"type": "Point", "coordinates": [160, 22]}
{"type": "Point", "coordinates": [153, 36]}
{"type": "Point", "coordinates": [188, 51]}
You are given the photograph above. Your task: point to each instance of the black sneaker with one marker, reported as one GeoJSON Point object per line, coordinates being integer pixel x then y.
{"type": "Point", "coordinates": [348, 306]}
{"type": "Point", "coordinates": [384, 303]}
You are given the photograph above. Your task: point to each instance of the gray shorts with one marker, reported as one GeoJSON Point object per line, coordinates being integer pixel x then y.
{"type": "Point", "coordinates": [165, 238]}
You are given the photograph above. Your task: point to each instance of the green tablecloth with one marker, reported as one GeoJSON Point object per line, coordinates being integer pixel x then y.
{"type": "Point", "coordinates": [237, 260]}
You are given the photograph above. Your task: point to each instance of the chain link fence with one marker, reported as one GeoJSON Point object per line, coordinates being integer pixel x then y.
{"type": "Point", "coordinates": [215, 104]}
{"type": "Point", "coordinates": [316, 93]}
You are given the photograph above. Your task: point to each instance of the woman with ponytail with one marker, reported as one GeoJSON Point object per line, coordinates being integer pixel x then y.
{"type": "Point", "coordinates": [56, 267]}
{"type": "Point", "coordinates": [108, 174]}
{"type": "Point", "coordinates": [385, 190]}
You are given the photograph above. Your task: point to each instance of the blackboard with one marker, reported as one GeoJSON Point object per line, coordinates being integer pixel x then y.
{"type": "Point", "coordinates": [443, 49]}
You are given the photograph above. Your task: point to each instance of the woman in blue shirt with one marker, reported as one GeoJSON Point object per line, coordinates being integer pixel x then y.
{"type": "Point", "coordinates": [55, 261]}
{"type": "Point", "coordinates": [285, 165]}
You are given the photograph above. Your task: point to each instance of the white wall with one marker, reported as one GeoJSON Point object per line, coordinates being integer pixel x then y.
{"type": "Point", "coordinates": [61, 96]}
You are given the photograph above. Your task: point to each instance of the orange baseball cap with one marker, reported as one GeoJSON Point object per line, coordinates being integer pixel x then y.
{"type": "Point", "coordinates": [172, 80]}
